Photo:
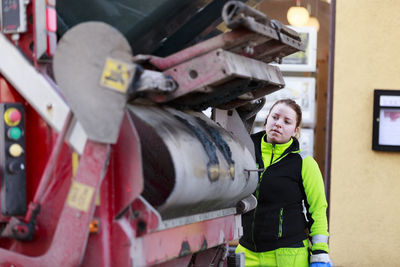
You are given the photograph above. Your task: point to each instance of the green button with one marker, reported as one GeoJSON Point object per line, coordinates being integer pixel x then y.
{"type": "Point", "coordinates": [14, 133]}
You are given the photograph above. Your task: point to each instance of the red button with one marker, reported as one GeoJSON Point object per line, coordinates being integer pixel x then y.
{"type": "Point", "coordinates": [15, 116]}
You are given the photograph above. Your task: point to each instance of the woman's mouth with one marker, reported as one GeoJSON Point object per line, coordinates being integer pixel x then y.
{"type": "Point", "coordinates": [276, 131]}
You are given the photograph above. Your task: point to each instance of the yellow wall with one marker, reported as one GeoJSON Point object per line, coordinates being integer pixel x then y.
{"type": "Point", "coordinates": [365, 184]}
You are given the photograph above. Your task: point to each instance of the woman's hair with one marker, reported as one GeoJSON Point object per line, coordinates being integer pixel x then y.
{"type": "Point", "coordinates": [291, 103]}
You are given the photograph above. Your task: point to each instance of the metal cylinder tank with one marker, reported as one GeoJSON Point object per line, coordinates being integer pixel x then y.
{"type": "Point", "coordinates": [191, 165]}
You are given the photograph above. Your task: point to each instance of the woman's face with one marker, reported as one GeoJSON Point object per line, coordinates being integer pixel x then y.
{"type": "Point", "coordinates": [281, 124]}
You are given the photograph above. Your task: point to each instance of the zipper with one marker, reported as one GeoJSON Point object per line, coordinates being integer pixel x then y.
{"type": "Point", "coordinates": [280, 223]}
{"type": "Point", "coordinates": [272, 154]}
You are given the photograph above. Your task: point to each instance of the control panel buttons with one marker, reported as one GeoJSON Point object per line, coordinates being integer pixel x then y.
{"type": "Point", "coordinates": [15, 150]}
{"type": "Point", "coordinates": [14, 133]}
{"type": "Point", "coordinates": [12, 116]}
{"type": "Point", "coordinates": [15, 167]}
{"type": "Point", "coordinates": [12, 159]}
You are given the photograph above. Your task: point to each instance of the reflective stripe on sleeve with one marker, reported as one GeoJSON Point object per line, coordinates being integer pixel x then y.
{"type": "Point", "coordinates": [319, 239]}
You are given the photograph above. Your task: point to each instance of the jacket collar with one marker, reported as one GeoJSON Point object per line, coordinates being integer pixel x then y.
{"type": "Point", "coordinates": [279, 149]}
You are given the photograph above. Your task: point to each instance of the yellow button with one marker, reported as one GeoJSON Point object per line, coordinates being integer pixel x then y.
{"type": "Point", "coordinates": [15, 150]}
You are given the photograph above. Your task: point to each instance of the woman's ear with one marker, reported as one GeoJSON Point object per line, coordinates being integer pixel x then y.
{"type": "Point", "coordinates": [296, 132]}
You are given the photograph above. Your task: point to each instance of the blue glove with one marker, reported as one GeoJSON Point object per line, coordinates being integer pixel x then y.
{"type": "Point", "coordinates": [320, 260]}
{"type": "Point", "coordinates": [320, 264]}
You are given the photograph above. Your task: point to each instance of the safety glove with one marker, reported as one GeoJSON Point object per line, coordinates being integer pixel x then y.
{"type": "Point", "coordinates": [320, 259]}
{"type": "Point", "coordinates": [320, 264]}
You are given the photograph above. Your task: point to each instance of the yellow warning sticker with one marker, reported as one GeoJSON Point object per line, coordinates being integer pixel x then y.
{"type": "Point", "coordinates": [117, 75]}
{"type": "Point", "coordinates": [80, 196]}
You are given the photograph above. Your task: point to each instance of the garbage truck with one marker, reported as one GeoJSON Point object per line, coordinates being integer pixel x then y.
{"type": "Point", "coordinates": [125, 128]}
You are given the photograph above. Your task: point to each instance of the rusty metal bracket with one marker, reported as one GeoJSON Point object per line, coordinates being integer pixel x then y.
{"type": "Point", "coordinates": [205, 72]}
{"type": "Point", "coordinates": [209, 80]}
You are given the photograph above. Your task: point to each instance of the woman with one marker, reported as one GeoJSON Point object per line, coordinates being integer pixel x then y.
{"type": "Point", "coordinates": [291, 198]}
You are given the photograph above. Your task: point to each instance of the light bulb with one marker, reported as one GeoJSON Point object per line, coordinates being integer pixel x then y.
{"type": "Point", "coordinates": [297, 16]}
{"type": "Point", "coordinates": [313, 22]}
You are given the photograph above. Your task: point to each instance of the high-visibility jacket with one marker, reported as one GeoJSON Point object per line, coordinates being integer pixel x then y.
{"type": "Point", "coordinates": [291, 199]}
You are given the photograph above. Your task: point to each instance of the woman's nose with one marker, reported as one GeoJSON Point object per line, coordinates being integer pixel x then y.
{"type": "Point", "coordinates": [278, 123]}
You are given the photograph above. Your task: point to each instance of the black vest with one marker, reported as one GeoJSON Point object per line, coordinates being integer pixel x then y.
{"type": "Point", "coordinates": [278, 220]}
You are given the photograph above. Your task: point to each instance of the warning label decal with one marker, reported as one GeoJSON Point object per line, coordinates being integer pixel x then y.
{"type": "Point", "coordinates": [117, 75]}
{"type": "Point", "coordinates": [80, 196]}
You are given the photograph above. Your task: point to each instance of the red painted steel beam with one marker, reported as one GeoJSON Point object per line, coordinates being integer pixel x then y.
{"type": "Point", "coordinates": [127, 167]}
{"type": "Point", "coordinates": [69, 240]}
{"type": "Point", "coordinates": [173, 243]}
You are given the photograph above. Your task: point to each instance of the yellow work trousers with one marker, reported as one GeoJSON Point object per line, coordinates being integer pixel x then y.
{"type": "Point", "coordinates": [281, 257]}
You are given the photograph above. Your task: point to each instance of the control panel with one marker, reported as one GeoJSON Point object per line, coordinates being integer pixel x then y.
{"type": "Point", "coordinates": [12, 158]}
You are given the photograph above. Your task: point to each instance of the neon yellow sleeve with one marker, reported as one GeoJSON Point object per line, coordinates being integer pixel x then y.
{"type": "Point", "coordinates": [315, 194]}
